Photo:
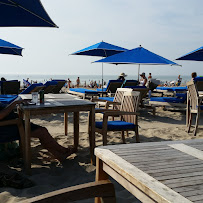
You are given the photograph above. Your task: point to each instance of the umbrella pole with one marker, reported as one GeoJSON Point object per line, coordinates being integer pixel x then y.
{"type": "Point", "coordinates": [102, 80]}
{"type": "Point", "coordinates": [138, 72]}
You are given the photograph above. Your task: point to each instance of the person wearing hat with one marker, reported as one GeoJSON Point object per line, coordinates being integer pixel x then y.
{"type": "Point", "coordinates": [143, 79]}
{"type": "Point", "coordinates": [122, 76]}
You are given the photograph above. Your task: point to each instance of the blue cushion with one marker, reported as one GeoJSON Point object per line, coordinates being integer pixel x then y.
{"type": "Point", "coordinates": [116, 125]}
{"type": "Point", "coordinates": [7, 99]}
{"type": "Point", "coordinates": [168, 99]}
{"type": "Point", "coordinates": [199, 78]}
{"type": "Point", "coordinates": [48, 83]}
{"type": "Point", "coordinates": [172, 89]}
{"type": "Point", "coordinates": [107, 98]}
{"type": "Point", "coordinates": [30, 88]}
{"type": "Point", "coordinates": [83, 90]}
{"type": "Point", "coordinates": [100, 89]}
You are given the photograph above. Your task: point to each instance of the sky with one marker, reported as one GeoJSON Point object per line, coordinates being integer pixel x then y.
{"type": "Point", "coordinates": [169, 28]}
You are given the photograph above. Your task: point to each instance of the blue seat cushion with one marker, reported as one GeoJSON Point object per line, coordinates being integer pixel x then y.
{"type": "Point", "coordinates": [83, 90]}
{"type": "Point", "coordinates": [116, 125]}
{"type": "Point", "coordinates": [199, 78]}
{"type": "Point", "coordinates": [30, 88]}
{"type": "Point", "coordinates": [100, 89]}
{"type": "Point", "coordinates": [107, 98]}
{"type": "Point", "coordinates": [168, 99]}
{"type": "Point", "coordinates": [172, 89]}
{"type": "Point", "coordinates": [7, 99]}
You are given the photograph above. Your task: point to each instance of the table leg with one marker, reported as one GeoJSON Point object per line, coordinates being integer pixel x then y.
{"type": "Point", "coordinates": [92, 134]}
{"type": "Point", "coordinates": [102, 175]}
{"type": "Point", "coordinates": [27, 144]}
{"type": "Point", "coordinates": [187, 109]}
{"type": "Point", "coordinates": [76, 129]}
{"type": "Point", "coordinates": [66, 123]}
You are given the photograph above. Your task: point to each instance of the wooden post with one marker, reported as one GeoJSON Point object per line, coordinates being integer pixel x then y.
{"type": "Point", "coordinates": [66, 123]}
{"type": "Point", "coordinates": [92, 133]}
{"type": "Point", "coordinates": [76, 129]}
{"type": "Point", "coordinates": [27, 144]}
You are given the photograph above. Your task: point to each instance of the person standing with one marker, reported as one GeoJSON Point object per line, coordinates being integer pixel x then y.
{"type": "Point", "coordinates": [78, 82]}
{"type": "Point", "coordinates": [69, 83]}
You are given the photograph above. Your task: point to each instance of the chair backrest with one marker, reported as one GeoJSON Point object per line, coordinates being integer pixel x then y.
{"type": "Point", "coordinates": [33, 88]}
{"type": "Point", "coordinates": [142, 90]}
{"type": "Point", "coordinates": [57, 88]}
{"type": "Point", "coordinates": [129, 83]}
{"type": "Point", "coordinates": [113, 85]}
{"type": "Point", "coordinates": [10, 87]}
{"type": "Point", "coordinates": [49, 86]}
{"type": "Point", "coordinates": [193, 95]}
{"type": "Point", "coordinates": [130, 103]}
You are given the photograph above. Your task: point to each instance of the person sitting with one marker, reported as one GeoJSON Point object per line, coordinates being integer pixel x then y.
{"type": "Point", "coordinates": [47, 141]}
{"type": "Point", "coordinates": [122, 76]}
{"type": "Point", "coordinates": [143, 80]}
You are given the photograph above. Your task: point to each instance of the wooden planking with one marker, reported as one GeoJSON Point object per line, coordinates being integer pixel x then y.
{"type": "Point", "coordinates": [189, 188]}
{"type": "Point", "coordinates": [188, 150]}
{"type": "Point", "coordinates": [153, 188]}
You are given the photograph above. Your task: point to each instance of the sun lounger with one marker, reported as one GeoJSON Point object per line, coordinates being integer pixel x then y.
{"type": "Point", "coordinates": [10, 87]}
{"type": "Point", "coordinates": [49, 86]}
{"type": "Point", "coordinates": [111, 86]}
{"type": "Point", "coordinates": [33, 88]}
{"type": "Point", "coordinates": [7, 99]}
{"type": "Point", "coordinates": [57, 88]}
{"type": "Point", "coordinates": [172, 89]}
{"type": "Point", "coordinates": [83, 92]}
{"type": "Point", "coordinates": [129, 84]}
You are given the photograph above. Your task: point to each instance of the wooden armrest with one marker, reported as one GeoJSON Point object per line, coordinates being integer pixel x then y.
{"type": "Point", "coordinates": [105, 110]}
{"type": "Point", "coordinates": [10, 122]}
{"type": "Point", "coordinates": [119, 113]}
{"type": "Point", "coordinates": [102, 188]}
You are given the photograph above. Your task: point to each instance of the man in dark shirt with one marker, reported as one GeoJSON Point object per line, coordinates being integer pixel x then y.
{"type": "Point", "coordinates": [47, 141]}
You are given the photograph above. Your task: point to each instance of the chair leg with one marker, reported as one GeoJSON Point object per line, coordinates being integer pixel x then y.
{"type": "Point", "coordinates": [22, 137]}
{"type": "Point", "coordinates": [197, 123]}
{"type": "Point", "coordinates": [137, 134]}
{"type": "Point", "coordinates": [189, 123]}
{"type": "Point", "coordinates": [104, 134]}
{"type": "Point", "coordinates": [123, 136]}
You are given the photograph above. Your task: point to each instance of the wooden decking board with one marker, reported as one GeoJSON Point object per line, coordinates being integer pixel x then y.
{"type": "Point", "coordinates": [156, 175]}
{"type": "Point", "coordinates": [183, 184]}
{"type": "Point", "coordinates": [189, 188]}
{"type": "Point", "coordinates": [181, 180]}
{"type": "Point", "coordinates": [191, 193]}
{"type": "Point", "coordinates": [196, 198]}
{"type": "Point", "coordinates": [175, 169]}
{"type": "Point", "coordinates": [179, 175]}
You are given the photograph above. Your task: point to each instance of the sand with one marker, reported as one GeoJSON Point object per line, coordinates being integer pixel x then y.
{"type": "Point", "coordinates": [49, 175]}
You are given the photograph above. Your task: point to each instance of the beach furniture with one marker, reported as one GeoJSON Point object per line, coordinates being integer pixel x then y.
{"type": "Point", "coordinates": [57, 88]}
{"type": "Point", "coordinates": [59, 105]}
{"type": "Point", "coordinates": [129, 83]}
{"type": "Point", "coordinates": [7, 99]}
{"type": "Point", "coordinates": [83, 92]}
{"type": "Point", "coordinates": [128, 114]}
{"type": "Point", "coordinates": [49, 86]}
{"type": "Point", "coordinates": [10, 87]}
{"type": "Point", "coordinates": [169, 171]}
{"type": "Point", "coordinates": [36, 87]}
{"type": "Point", "coordinates": [195, 98]}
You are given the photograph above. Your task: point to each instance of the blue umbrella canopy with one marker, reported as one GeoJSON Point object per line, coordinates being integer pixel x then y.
{"type": "Point", "coordinates": [24, 13]}
{"type": "Point", "coordinates": [138, 55]}
{"type": "Point", "coordinates": [8, 48]}
{"type": "Point", "coordinates": [196, 55]}
{"type": "Point", "coordinates": [102, 49]}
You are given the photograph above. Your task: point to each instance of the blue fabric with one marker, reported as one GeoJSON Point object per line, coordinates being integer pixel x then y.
{"type": "Point", "coordinates": [168, 99]}
{"type": "Point", "coordinates": [7, 99]}
{"type": "Point", "coordinates": [116, 125]}
{"type": "Point", "coordinates": [199, 78]}
{"type": "Point", "coordinates": [102, 49]}
{"type": "Point", "coordinates": [181, 95]}
{"type": "Point", "coordinates": [82, 90]}
{"type": "Point", "coordinates": [201, 107]}
{"type": "Point", "coordinates": [30, 88]}
{"type": "Point", "coordinates": [48, 83]}
{"type": "Point", "coordinates": [172, 89]}
{"type": "Point", "coordinates": [137, 56]}
{"type": "Point", "coordinates": [107, 98]}
{"type": "Point", "coordinates": [196, 55]}
{"type": "Point", "coordinates": [28, 13]}
{"type": "Point", "coordinates": [26, 83]}
{"type": "Point", "coordinates": [100, 89]}
{"type": "Point", "coordinates": [8, 48]}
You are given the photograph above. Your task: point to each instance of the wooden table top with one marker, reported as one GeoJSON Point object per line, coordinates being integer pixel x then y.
{"type": "Point", "coordinates": [169, 171]}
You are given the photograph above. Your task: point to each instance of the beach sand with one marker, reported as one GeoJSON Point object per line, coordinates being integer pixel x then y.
{"type": "Point", "coordinates": [49, 175]}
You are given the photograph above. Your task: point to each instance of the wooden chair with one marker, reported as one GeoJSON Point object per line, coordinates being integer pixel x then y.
{"type": "Point", "coordinates": [195, 103]}
{"type": "Point", "coordinates": [128, 114]}
{"type": "Point", "coordinates": [10, 87]}
{"type": "Point", "coordinates": [102, 188]}
{"type": "Point", "coordinates": [19, 123]}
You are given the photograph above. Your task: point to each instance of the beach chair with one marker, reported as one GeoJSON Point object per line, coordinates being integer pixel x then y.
{"type": "Point", "coordinates": [57, 88]}
{"type": "Point", "coordinates": [82, 92]}
{"type": "Point", "coordinates": [111, 86]}
{"type": "Point", "coordinates": [49, 86]}
{"type": "Point", "coordinates": [129, 84]}
{"type": "Point", "coordinates": [128, 114]}
{"type": "Point", "coordinates": [195, 102]}
{"type": "Point", "coordinates": [33, 88]}
{"type": "Point", "coordinates": [10, 87]}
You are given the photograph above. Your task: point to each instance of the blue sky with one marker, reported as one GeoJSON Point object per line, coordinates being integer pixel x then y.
{"type": "Point", "coordinates": [169, 28]}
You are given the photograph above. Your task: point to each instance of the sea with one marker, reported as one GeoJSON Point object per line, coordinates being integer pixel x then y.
{"type": "Point", "coordinates": [87, 78]}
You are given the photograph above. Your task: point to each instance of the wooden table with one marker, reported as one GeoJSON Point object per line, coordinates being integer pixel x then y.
{"type": "Point", "coordinates": [59, 106]}
{"type": "Point", "coordinates": [170, 171]}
